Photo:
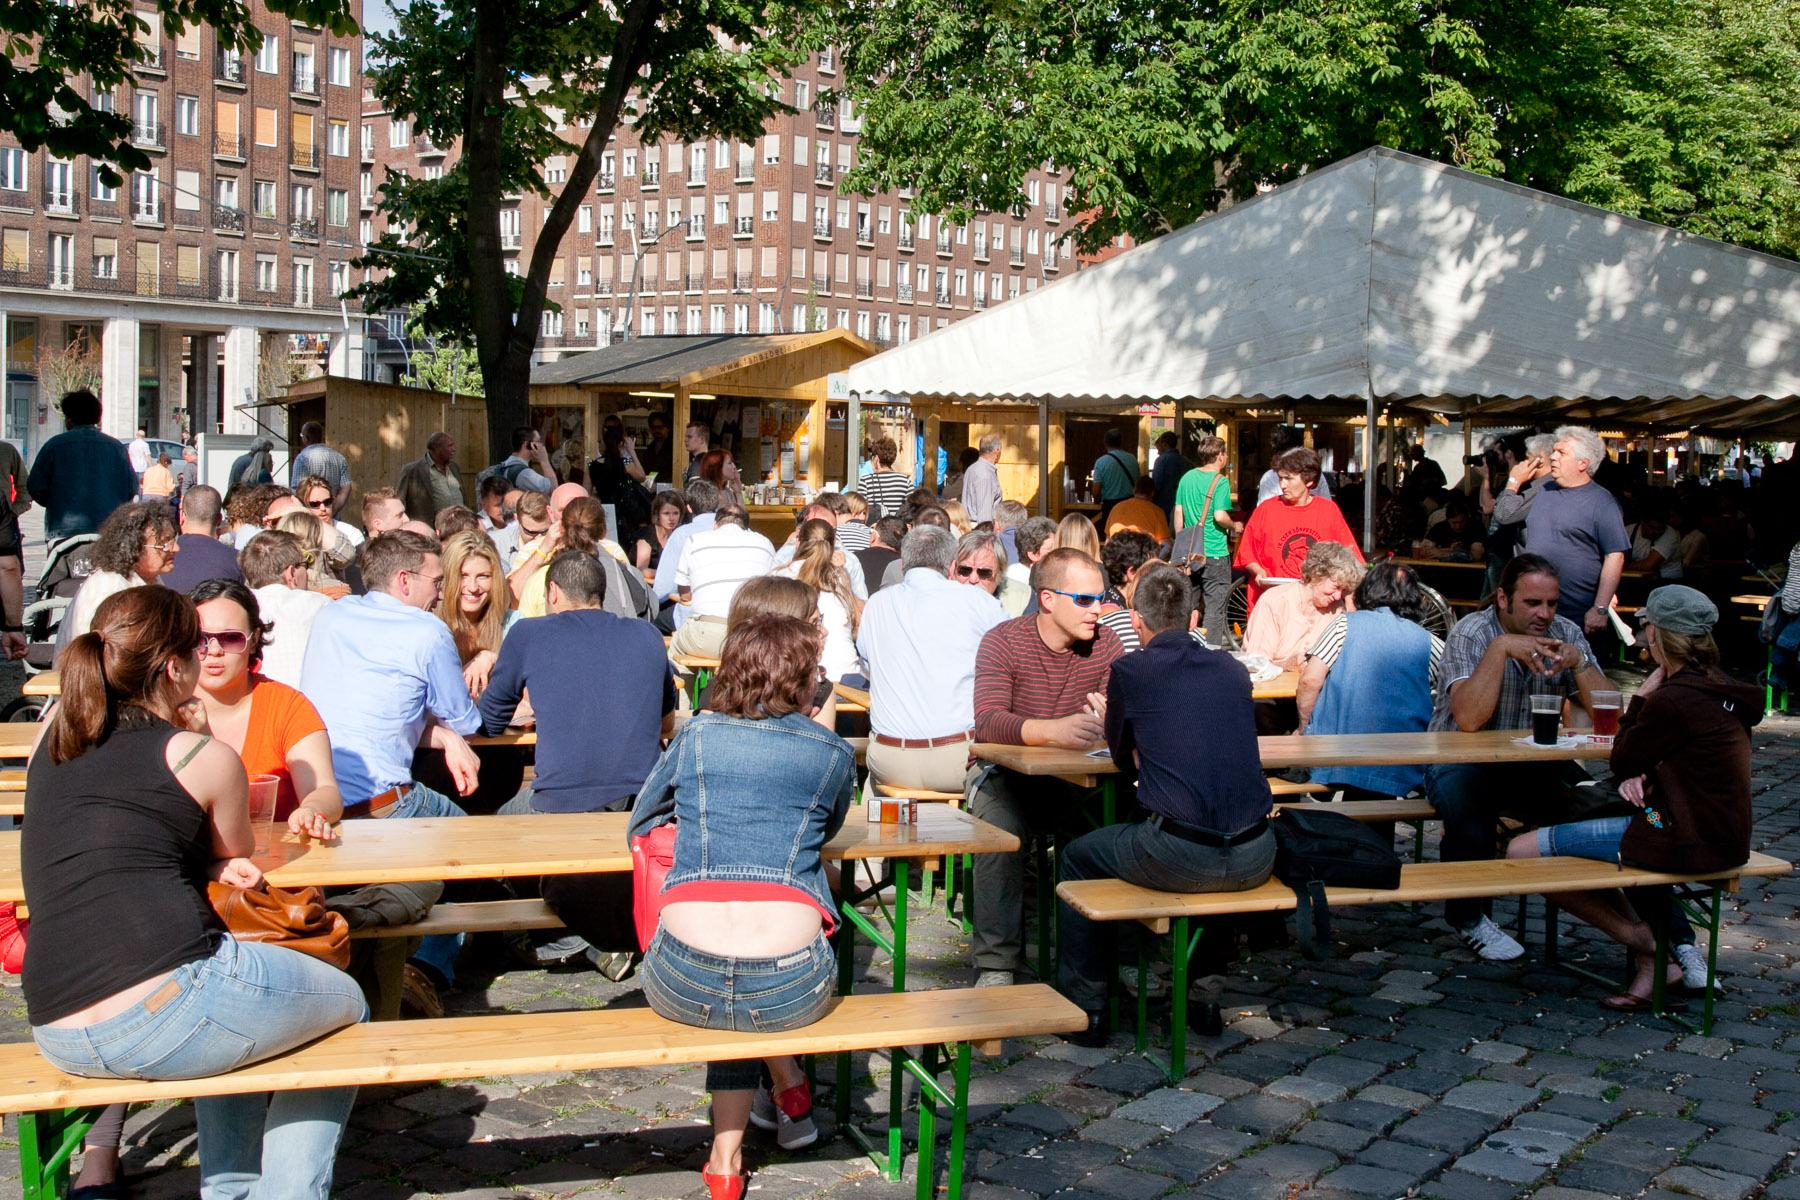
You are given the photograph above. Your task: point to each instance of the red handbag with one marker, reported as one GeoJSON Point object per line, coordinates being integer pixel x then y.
{"type": "Point", "coordinates": [652, 856]}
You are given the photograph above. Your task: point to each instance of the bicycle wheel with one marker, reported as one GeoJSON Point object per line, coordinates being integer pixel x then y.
{"type": "Point", "coordinates": [1435, 615]}
{"type": "Point", "coordinates": [25, 708]}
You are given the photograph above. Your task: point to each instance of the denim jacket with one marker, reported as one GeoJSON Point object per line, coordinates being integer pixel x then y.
{"type": "Point", "coordinates": [755, 801]}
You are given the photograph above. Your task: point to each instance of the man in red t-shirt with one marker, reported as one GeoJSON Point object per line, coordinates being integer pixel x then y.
{"type": "Point", "coordinates": [1040, 680]}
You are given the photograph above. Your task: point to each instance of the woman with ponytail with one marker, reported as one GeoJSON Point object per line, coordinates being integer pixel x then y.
{"type": "Point", "coordinates": [818, 564]}
{"type": "Point", "coordinates": [128, 972]}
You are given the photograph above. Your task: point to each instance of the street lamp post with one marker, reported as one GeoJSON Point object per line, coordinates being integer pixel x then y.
{"type": "Point", "coordinates": [637, 268]}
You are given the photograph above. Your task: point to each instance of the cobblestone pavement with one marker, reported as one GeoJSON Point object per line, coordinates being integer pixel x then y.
{"type": "Point", "coordinates": [1401, 1067]}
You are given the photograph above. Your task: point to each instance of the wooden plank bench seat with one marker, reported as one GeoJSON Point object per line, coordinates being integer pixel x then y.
{"type": "Point", "coordinates": [477, 916]}
{"type": "Point", "coordinates": [56, 1109]}
{"type": "Point", "coordinates": [1172, 913]}
{"type": "Point", "coordinates": [1291, 787]}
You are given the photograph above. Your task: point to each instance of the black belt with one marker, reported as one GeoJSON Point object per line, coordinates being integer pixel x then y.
{"type": "Point", "coordinates": [1206, 837]}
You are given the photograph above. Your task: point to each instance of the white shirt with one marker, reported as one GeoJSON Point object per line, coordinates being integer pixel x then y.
{"type": "Point", "coordinates": [1015, 593]}
{"type": "Point", "coordinates": [78, 618]}
{"type": "Point", "coordinates": [1668, 545]}
{"type": "Point", "coordinates": [139, 452]}
{"type": "Point", "coordinates": [291, 610]}
{"type": "Point", "coordinates": [717, 562]}
{"type": "Point", "coordinates": [859, 582]}
{"type": "Point", "coordinates": [348, 532]}
{"type": "Point", "coordinates": [839, 658]}
{"type": "Point", "coordinates": [919, 637]}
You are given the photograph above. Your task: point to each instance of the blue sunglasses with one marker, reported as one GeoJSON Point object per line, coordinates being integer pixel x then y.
{"type": "Point", "coordinates": [1081, 599]}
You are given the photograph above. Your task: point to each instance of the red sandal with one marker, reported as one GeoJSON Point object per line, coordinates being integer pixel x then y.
{"type": "Point", "coordinates": [12, 939]}
{"type": "Point", "coordinates": [723, 1187]}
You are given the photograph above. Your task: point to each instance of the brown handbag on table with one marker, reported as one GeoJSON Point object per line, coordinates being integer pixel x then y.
{"type": "Point", "coordinates": [293, 917]}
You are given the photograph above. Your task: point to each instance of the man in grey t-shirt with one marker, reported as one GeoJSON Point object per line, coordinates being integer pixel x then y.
{"type": "Point", "coordinates": [1577, 526]}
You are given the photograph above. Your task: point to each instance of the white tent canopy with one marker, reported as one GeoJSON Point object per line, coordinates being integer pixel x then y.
{"type": "Point", "coordinates": [1385, 277]}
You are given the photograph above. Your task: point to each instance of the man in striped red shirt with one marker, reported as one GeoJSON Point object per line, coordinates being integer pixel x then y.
{"type": "Point", "coordinates": [1040, 680]}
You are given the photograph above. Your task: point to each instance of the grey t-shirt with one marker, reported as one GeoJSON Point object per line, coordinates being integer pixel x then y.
{"type": "Point", "coordinates": [1575, 528]}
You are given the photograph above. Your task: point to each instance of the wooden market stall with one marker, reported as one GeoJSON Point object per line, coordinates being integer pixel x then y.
{"type": "Point", "coordinates": [764, 396]}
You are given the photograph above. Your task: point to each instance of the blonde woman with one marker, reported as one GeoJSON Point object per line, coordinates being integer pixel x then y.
{"type": "Point", "coordinates": [306, 527]}
{"type": "Point", "coordinates": [1291, 616]}
{"type": "Point", "coordinates": [583, 528]}
{"type": "Point", "coordinates": [816, 564]}
{"type": "Point", "coordinates": [1076, 532]}
{"type": "Point", "coordinates": [474, 604]}
{"type": "Point", "coordinates": [959, 517]}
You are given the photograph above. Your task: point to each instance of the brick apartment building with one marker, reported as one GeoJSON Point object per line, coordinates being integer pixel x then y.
{"type": "Point", "coordinates": [724, 237]}
{"type": "Point", "coordinates": [240, 232]}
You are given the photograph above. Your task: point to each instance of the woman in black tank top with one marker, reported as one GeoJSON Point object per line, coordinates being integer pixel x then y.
{"type": "Point", "coordinates": [128, 973]}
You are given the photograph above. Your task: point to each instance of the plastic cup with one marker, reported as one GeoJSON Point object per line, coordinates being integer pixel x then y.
{"type": "Point", "coordinates": [1546, 715]}
{"type": "Point", "coordinates": [263, 789]}
{"type": "Point", "coordinates": [1606, 715]}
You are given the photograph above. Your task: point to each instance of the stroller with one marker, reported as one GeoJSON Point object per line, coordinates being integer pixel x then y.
{"type": "Point", "coordinates": [67, 564]}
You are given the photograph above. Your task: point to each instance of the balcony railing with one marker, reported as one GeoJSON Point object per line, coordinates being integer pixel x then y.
{"type": "Point", "coordinates": [61, 276]}
{"type": "Point", "coordinates": [606, 181]}
{"type": "Point", "coordinates": [227, 218]}
{"type": "Point", "coordinates": [906, 237]}
{"type": "Point", "coordinates": [150, 56]}
{"type": "Point", "coordinates": [826, 116]}
{"type": "Point", "coordinates": [59, 200]}
{"type": "Point", "coordinates": [943, 243]}
{"type": "Point", "coordinates": [696, 229]}
{"type": "Point", "coordinates": [147, 133]}
{"type": "Point", "coordinates": [228, 68]}
{"type": "Point", "coordinates": [606, 237]}
{"type": "Point", "coordinates": [980, 300]}
{"type": "Point", "coordinates": [509, 239]}
{"type": "Point", "coordinates": [1016, 257]}
{"type": "Point", "coordinates": [740, 281]}
{"type": "Point", "coordinates": [822, 230]}
{"type": "Point", "coordinates": [652, 176]}
{"type": "Point", "coordinates": [745, 226]}
{"type": "Point", "coordinates": [424, 149]}
{"type": "Point", "coordinates": [981, 248]}
{"type": "Point", "coordinates": [151, 211]}
{"type": "Point", "coordinates": [228, 145]}
{"type": "Point", "coordinates": [822, 173]}
{"type": "Point", "coordinates": [1051, 211]}
{"type": "Point", "coordinates": [903, 293]}
{"type": "Point", "coordinates": [303, 157]}
{"type": "Point", "coordinates": [693, 283]}
{"type": "Point", "coordinates": [304, 83]}
{"type": "Point", "coordinates": [864, 289]}
{"type": "Point", "coordinates": [822, 284]}
{"type": "Point", "coordinates": [650, 226]}
{"type": "Point", "coordinates": [746, 170]}
{"type": "Point", "coordinates": [943, 297]}
{"type": "Point", "coordinates": [865, 234]}
{"type": "Point", "coordinates": [305, 227]}
{"type": "Point", "coordinates": [603, 288]}
{"type": "Point", "coordinates": [697, 178]}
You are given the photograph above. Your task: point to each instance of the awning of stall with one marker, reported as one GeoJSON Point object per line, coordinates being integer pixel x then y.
{"type": "Point", "coordinates": [1390, 279]}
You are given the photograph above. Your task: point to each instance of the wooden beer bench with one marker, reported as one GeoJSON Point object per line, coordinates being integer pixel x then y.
{"type": "Point", "coordinates": [56, 1110]}
{"type": "Point", "coordinates": [1181, 916]}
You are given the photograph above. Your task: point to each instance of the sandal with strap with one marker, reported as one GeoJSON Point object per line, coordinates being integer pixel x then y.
{"type": "Point", "coordinates": [723, 1187]}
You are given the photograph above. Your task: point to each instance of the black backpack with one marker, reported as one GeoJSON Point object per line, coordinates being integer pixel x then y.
{"type": "Point", "coordinates": [1314, 850]}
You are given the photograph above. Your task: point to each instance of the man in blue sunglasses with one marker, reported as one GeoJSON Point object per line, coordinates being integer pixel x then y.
{"type": "Point", "coordinates": [1040, 680]}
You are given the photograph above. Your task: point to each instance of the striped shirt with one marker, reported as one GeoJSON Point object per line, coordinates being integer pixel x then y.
{"type": "Point", "coordinates": [717, 563]}
{"type": "Point", "coordinates": [1330, 642]}
{"type": "Point", "coordinates": [1790, 591]}
{"type": "Point", "coordinates": [1019, 679]}
{"type": "Point", "coordinates": [886, 492]}
{"type": "Point", "coordinates": [1120, 623]}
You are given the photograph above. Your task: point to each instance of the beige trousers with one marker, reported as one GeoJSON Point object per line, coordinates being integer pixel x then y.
{"type": "Point", "coordinates": [936, 768]}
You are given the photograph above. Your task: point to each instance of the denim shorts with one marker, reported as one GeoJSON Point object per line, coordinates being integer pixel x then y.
{"type": "Point", "coordinates": [750, 995]}
{"type": "Point", "coordinates": [1598, 838]}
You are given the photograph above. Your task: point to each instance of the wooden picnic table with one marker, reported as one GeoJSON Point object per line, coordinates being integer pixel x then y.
{"type": "Point", "coordinates": [1322, 750]}
{"type": "Point", "coordinates": [1452, 563]}
{"type": "Point", "coordinates": [44, 683]}
{"type": "Point", "coordinates": [1284, 686]}
{"type": "Point", "coordinates": [17, 738]}
{"type": "Point", "coordinates": [495, 847]}
{"type": "Point", "coordinates": [1750, 599]}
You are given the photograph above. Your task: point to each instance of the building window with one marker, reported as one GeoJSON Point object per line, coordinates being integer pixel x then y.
{"type": "Point", "coordinates": [337, 207]}
{"type": "Point", "coordinates": [306, 73]}
{"type": "Point", "coordinates": [59, 186]}
{"type": "Point", "coordinates": [337, 138]}
{"type": "Point", "coordinates": [262, 195]}
{"type": "Point", "coordinates": [556, 170]}
{"type": "Point", "coordinates": [301, 210]}
{"type": "Point", "coordinates": [399, 134]}
{"type": "Point", "coordinates": [337, 61]}
{"type": "Point", "coordinates": [303, 281]}
{"type": "Point", "coordinates": [584, 219]}
{"type": "Point", "coordinates": [552, 324]}
{"type": "Point", "coordinates": [101, 190]}
{"type": "Point", "coordinates": [62, 260]}
{"type": "Point", "coordinates": [228, 192]}
{"type": "Point", "coordinates": [581, 323]}
{"type": "Point", "coordinates": [228, 275]}
{"type": "Point", "coordinates": [715, 317]}
{"type": "Point", "coordinates": [340, 277]}
{"type": "Point", "coordinates": [265, 272]}
{"type": "Point", "coordinates": [268, 55]}
{"type": "Point", "coordinates": [368, 140]}
{"type": "Point", "coordinates": [630, 168]}
{"type": "Point", "coordinates": [187, 115]}
{"type": "Point", "coordinates": [145, 111]}
{"type": "Point", "coordinates": [146, 196]}
{"type": "Point", "coordinates": [106, 258]}
{"type": "Point", "coordinates": [433, 171]}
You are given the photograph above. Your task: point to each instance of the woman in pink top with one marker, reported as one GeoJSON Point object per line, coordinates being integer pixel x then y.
{"type": "Point", "coordinates": [1291, 615]}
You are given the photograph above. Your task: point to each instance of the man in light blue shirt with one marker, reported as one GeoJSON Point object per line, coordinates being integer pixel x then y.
{"type": "Point", "coordinates": [703, 498]}
{"type": "Point", "coordinates": [919, 638]}
{"type": "Point", "coordinates": [384, 675]}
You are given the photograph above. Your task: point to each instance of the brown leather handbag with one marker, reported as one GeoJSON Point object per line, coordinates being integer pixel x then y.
{"type": "Point", "coordinates": [296, 918]}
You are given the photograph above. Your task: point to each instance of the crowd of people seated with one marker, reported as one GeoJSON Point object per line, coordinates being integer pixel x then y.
{"type": "Point", "coordinates": [355, 664]}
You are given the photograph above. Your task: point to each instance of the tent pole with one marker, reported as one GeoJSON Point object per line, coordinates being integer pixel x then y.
{"type": "Point", "coordinates": [1369, 479]}
{"type": "Point", "coordinates": [1043, 457]}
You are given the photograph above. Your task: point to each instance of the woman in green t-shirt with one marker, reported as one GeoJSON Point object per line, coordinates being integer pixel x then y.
{"type": "Point", "coordinates": [1203, 499]}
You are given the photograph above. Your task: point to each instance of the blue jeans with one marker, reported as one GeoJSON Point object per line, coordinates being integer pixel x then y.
{"type": "Point", "coordinates": [438, 951]}
{"type": "Point", "coordinates": [246, 1003]}
{"type": "Point", "coordinates": [750, 995]}
{"type": "Point", "coordinates": [1144, 854]}
{"type": "Point", "coordinates": [1598, 838]}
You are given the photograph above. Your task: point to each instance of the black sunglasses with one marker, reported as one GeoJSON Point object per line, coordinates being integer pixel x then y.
{"type": "Point", "coordinates": [964, 570]}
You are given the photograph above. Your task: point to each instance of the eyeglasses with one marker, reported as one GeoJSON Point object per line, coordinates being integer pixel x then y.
{"type": "Point", "coordinates": [168, 547]}
{"type": "Point", "coordinates": [321, 503]}
{"type": "Point", "coordinates": [225, 641]}
{"type": "Point", "coordinates": [1081, 599]}
{"type": "Point", "coordinates": [964, 570]}
{"type": "Point", "coordinates": [436, 581]}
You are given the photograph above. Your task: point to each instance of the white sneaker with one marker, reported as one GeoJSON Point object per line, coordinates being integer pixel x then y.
{"type": "Point", "coordinates": [1693, 967]}
{"type": "Point", "coordinates": [1491, 942]}
{"type": "Point", "coordinates": [791, 1133]}
{"type": "Point", "coordinates": [994, 979]}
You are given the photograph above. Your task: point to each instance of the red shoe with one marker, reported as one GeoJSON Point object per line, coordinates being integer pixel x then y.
{"type": "Point", "coordinates": [12, 939]}
{"type": "Point", "coordinates": [723, 1187]}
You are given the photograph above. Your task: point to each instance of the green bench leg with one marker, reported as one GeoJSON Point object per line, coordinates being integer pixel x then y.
{"type": "Point", "coordinates": [47, 1141]}
{"type": "Point", "coordinates": [1184, 938]}
{"type": "Point", "coordinates": [896, 871]}
{"type": "Point", "coordinates": [1708, 917]}
{"type": "Point", "coordinates": [932, 1094]}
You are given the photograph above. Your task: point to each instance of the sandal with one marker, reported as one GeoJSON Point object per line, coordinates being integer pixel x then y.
{"type": "Point", "coordinates": [723, 1187]}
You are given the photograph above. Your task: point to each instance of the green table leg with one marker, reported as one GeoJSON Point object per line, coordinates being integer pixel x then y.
{"type": "Point", "coordinates": [846, 964]}
{"type": "Point", "coordinates": [47, 1141]}
{"type": "Point", "coordinates": [1109, 801]}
